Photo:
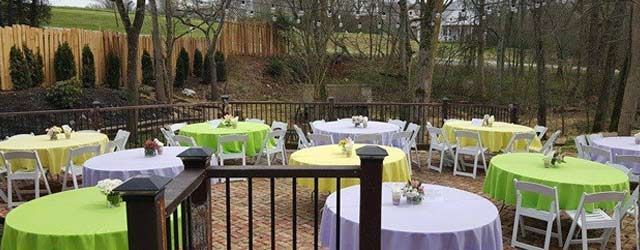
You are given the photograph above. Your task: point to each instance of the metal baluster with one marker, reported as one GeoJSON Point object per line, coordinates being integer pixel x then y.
{"type": "Point", "coordinates": [294, 209]}
{"type": "Point", "coordinates": [272, 188]}
{"type": "Point", "coordinates": [176, 235]}
{"type": "Point", "coordinates": [338, 213]}
{"type": "Point", "coordinates": [250, 208]}
{"type": "Point", "coordinates": [228, 207]}
{"type": "Point", "coordinates": [315, 212]}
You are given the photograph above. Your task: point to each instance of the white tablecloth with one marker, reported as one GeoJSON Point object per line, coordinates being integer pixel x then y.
{"type": "Point", "coordinates": [128, 163]}
{"type": "Point", "coordinates": [619, 145]}
{"type": "Point", "coordinates": [447, 218]}
{"type": "Point", "coordinates": [344, 128]}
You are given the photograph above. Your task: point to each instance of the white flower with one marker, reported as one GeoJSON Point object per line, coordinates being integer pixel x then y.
{"type": "Point", "coordinates": [108, 185]}
{"type": "Point", "coordinates": [66, 129]}
{"type": "Point", "coordinates": [158, 142]}
{"type": "Point", "coordinates": [637, 135]}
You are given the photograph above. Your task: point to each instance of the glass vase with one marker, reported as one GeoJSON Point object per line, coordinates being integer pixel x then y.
{"type": "Point", "coordinates": [415, 200]}
{"type": "Point", "coordinates": [113, 200]}
{"type": "Point", "coordinates": [149, 152]}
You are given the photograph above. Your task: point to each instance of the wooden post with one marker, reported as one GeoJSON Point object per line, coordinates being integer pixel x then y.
{"type": "Point", "coordinates": [445, 109]}
{"type": "Point", "coordinates": [200, 200]}
{"type": "Point", "coordinates": [146, 219]}
{"type": "Point", "coordinates": [371, 158]}
{"type": "Point", "coordinates": [332, 108]}
{"type": "Point", "coordinates": [513, 113]}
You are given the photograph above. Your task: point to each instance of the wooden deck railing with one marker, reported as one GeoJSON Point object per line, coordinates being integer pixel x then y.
{"type": "Point", "coordinates": [158, 209]}
{"type": "Point", "coordinates": [144, 122]}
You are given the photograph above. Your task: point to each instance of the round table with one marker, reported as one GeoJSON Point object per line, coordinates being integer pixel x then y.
{"type": "Point", "coordinates": [344, 128]}
{"type": "Point", "coordinates": [206, 136]}
{"type": "Point", "coordinates": [76, 219]}
{"type": "Point", "coordinates": [128, 163]}
{"type": "Point", "coordinates": [447, 218]}
{"type": "Point", "coordinates": [394, 165]}
{"type": "Point", "coordinates": [495, 138]}
{"type": "Point", "coordinates": [53, 153]}
{"type": "Point", "coordinates": [572, 179]}
{"type": "Point", "coordinates": [619, 145]}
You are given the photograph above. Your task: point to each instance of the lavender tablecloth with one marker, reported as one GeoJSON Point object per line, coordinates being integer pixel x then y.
{"type": "Point", "coordinates": [447, 218]}
{"type": "Point", "coordinates": [344, 128]}
{"type": "Point", "coordinates": [128, 163]}
{"type": "Point", "coordinates": [619, 145]}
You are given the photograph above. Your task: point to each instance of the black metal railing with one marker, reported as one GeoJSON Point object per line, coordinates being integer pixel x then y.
{"type": "Point", "coordinates": [177, 214]}
{"type": "Point", "coordinates": [144, 122]}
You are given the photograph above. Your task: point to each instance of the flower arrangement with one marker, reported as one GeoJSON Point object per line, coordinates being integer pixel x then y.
{"type": "Point", "coordinates": [53, 132]}
{"type": "Point", "coordinates": [488, 120]}
{"type": "Point", "coordinates": [413, 191]}
{"type": "Point", "coordinates": [553, 159]}
{"type": "Point", "coordinates": [67, 131]}
{"type": "Point", "coordinates": [107, 186]}
{"type": "Point", "coordinates": [360, 120]}
{"type": "Point", "coordinates": [347, 146]}
{"type": "Point", "coordinates": [637, 136]}
{"type": "Point", "coordinates": [230, 121]}
{"type": "Point", "coordinates": [152, 147]}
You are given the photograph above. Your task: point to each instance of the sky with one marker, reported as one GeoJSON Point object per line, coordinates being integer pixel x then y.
{"type": "Point", "coordinates": [72, 3]}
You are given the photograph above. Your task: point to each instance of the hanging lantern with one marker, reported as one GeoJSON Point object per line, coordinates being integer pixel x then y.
{"type": "Point", "coordinates": [383, 14]}
{"type": "Point", "coordinates": [329, 14]}
{"type": "Point", "coordinates": [301, 13]}
{"type": "Point", "coordinates": [437, 15]}
{"type": "Point", "coordinates": [318, 24]}
{"type": "Point", "coordinates": [274, 18]}
{"type": "Point", "coordinates": [298, 20]}
{"type": "Point", "coordinates": [273, 8]}
{"type": "Point", "coordinates": [397, 25]}
{"type": "Point", "coordinates": [242, 3]}
{"type": "Point", "coordinates": [379, 25]}
{"type": "Point", "coordinates": [359, 25]}
{"type": "Point", "coordinates": [340, 25]}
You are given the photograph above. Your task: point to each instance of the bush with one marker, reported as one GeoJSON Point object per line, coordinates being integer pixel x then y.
{"type": "Point", "coordinates": [88, 68]}
{"type": "Point", "coordinates": [64, 66]}
{"type": "Point", "coordinates": [37, 76]}
{"type": "Point", "coordinates": [148, 76]}
{"type": "Point", "coordinates": [197, 63]}
{"type": "Point", "coordinates": [276, 67]}
{"type": "Point", "coordinates": [221, 68]}
{"type": "Point", "coordinates": [64, 94]}
{"type": "Point", "coordinates": [19, 70]}
{"type": "Point", "coordinates": [206, 76]}
{"type": "Point", "coordinates": [182, 68]}
{"type": "Point", "coordinates": [112, 71]}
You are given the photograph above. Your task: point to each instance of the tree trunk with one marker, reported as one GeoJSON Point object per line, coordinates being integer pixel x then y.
{"type": "Point", "coordinates": [594, 58]}
{"type": "Point", "coordinates": [632, 89]}
{"type": "Point", "coordinates": [158, 57]}
{"type": "Point", "coordinates": [33, 17]}
{"type": "Point", "coordinates": [622, 82]}
{"type": "Point", "coordinates": [132, 68]}
{"type": "Point", "coordinates": [481, 46]}
{"type": "Point", "coordinates": [169, 41]}
{"type": "Point", "coordinates": [428, 45]}
{"type": "Point", "coordinates": [613, 30]}
{"type": "Point", "coordinates": [540, 66]}
{"type": "Point", "coordinates": [213, 75]}
{"type": "Point", "coordinates": [405, 43]}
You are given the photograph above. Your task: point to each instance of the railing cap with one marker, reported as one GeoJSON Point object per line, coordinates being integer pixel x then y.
{"type": "Point", "coordinates": [195, 153]}
{"type": "Point", "coordinates": [143, 185]}
{"type": "Point", "coordinates": [372, 153]}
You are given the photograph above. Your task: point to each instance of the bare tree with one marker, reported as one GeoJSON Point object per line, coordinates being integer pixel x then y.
{"type": "Point", "coordinates": [430, 18]}
{"type": "Point", "coordinates": [133, 34]}
{"type": "Point", "coordinates": [632, 90]}
{"type": "Point", "coordinates": [210, 16]}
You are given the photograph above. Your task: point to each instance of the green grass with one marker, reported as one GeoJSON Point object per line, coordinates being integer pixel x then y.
{"type": "Point", "coordinates": [97, 19]}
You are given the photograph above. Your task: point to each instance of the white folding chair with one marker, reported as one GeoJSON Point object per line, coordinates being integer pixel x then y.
{"type": "Point", "coordinates": [88, 131]}
{"type": "Point", "coordinates": [476, 151]}
{"type": "Point", "coordinates": [253, 120]}
{"type": "Point", "coordinates": [438, 141]}
{"type": "Point", "coordinates": [320, 139]}
{"type": "Point", "coordinates": [121, 139]}
{"type": "Point", "coordinates": [527, 138]}
{"type": "Point", "coordinates": [185, 141]}
{"type": "Point", "coordinates": [548, 145]}
{"type": "Point", "coordinates": [402, 140]}
{"type": "Point", "coordinates": [241, 139]}
{"type": "Point", "coordinates": [628, 160]}
{"type": "Point", "coordinates": [3, 172]}
{"type": "Point", "coordinates": [276, 125]}
{"type": "Point", "coordinates": [176, 127]}
{"type": "Point", "coordinates": [76, 170]}
{"type": "Point", "coordinates": [590, 138]}
{"type": "Point", "coordinates": [168, 136]}
{"type": "Point", "coordinates": [540, 131]}
{"type": "Point", "coordinates": [314, 123]}
{"type": "Point", "coordinates": [596, 154]}
{"type": "Point", "coordinates": [597, 219]}
{"type": "Point", "coordinates": [550, 215]}
{"type": "Point", "coordinates": [368, 139]}
{"type": "Point", "coordinates": [622, 168]}
{"type": "Point", "coordinates": [303, 142]}
{"type": "Point", "coordinates": [268, 149]}
{"type": "Point", "coordinates": [581, 141]}
{"type": "Point", "coordinates": [415, 129]}
{"type": "Point", "coordinates": [399, 123]}
{"type": "Point", "coordinates": [33, 175]}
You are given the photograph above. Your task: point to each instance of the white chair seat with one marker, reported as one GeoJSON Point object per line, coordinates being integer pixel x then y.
{"type": "Point", "coordinates": [596, 219]}
{"type": "Point", "coordinates": [74, 170]}
{"type": "Point", "coordinates": [537, 214]}
{"type": "Point", "coordinates": [23, 175]}
{"type": "Point", "coordinates": [470, 150]}
{"type": "Point", "coordinates": [442, 146]}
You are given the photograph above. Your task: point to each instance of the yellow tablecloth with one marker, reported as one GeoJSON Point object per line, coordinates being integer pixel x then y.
{"type": "Point", "coordinates": [495, 138]}
{"type": "Point", "coordinates": [394, 170]}
{"type": "Point", "coordinates": [53, 153]}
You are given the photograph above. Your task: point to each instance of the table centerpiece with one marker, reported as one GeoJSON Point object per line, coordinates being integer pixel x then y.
{"type": "Point", "coordinates": [553, 159]}
{"type": "Point", "coordinates": [152, 147]}
{"type": "Point", "coordinates": [413, 191]}
{"type": "Point", "coordinates": [107, 186]}
{"type": "Point", "coordinates": [488, 120]}
{"type": "Point", "coordinates": [359, 120]}
{"type": "Point", "coordinates": [637, 138]}
{"type": "Point", "coordinates": [53, 132]}
{"type": "Point", "coordinates": [346, 145]}
{"type": "Point", "coordinates": [230, 121]}
{"type": "Point", "coordinates": [67, 131]}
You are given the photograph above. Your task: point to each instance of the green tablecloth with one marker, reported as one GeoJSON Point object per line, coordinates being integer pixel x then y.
{"type": "Point", "coordinates": [495, 138]}
{"type": "Point", "coordinates": [206, 136]}
{"type": "Point", "coordinates": [572, 179]}
{"type": "Point", "coordinates": [77, 219]}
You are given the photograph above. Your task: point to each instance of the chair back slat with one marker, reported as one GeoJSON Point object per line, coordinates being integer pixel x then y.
{"type": "Point", "coordinates": [368, 138]}
{"type": "Point", "coordinates": [535, 188]}
{"type": "Point", "coordinates": [76, 152]}
{"type": "Point", "coordinates": [320, 139]}
{"type": "Point", "coordinates": [596, 153]}
{"type": "Point", "coordinates": [276, 125]}
{"type": "Point", "coordinates": [186, 141]}
{"type": "Point", "coordinates": [604, 197]}
{"type": "Point", "coordinates": [468, 135]}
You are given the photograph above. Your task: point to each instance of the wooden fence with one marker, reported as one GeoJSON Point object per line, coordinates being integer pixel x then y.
{"type": "Point", "coordinates": [244, 39]}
